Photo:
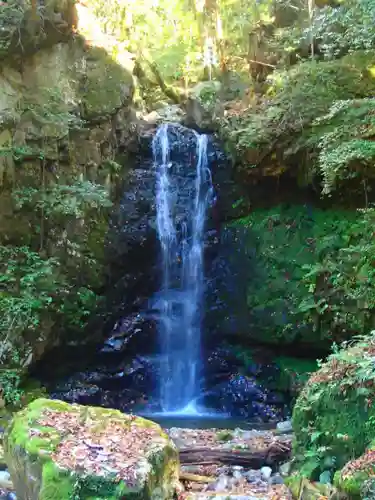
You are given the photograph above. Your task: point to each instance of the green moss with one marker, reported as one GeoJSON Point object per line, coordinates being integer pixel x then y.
{"type": "Point", "coordinates": [224, 436]}
{"type": "Point", "coordinates": [108, 86]}
{"type": "Point", "coordinates": [56, 483]}
{"type": "Point", "coordinates": [18, 434]}
{"type": "Point", "coordinates": [304, 268]}
{"type": "Point", "coordinates": [294, 372]}
{"type": "Point", "coordinates": [292, 130]}
{"type": "Point", "coordinates": [29, 444]}
{"type": "Point", "coordinates": [334, 418]}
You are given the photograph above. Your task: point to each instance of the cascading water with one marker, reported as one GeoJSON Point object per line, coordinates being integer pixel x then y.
{"type": "Point", "coordinates": [180, 227]}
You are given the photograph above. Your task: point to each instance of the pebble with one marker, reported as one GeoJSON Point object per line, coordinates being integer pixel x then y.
{"type": "Point", "coordinates": [4, 476]}
{"type": "Point", "coordinates": [285, 426]}
{"type": "Point", "coordinates": [237, 474]}
{"type": "Point", "coordinates": [276, 479]}
{"type": "Point", "coordinates": [266, 473]}
{"type": "Point", "coordinates": [253, 476]}
{"type": "Point", "coordinates": [227, 496]}
{"type": "Point", "coordinates": [237, 467]}
{"type": "Point", "coordinates": [222, 483]}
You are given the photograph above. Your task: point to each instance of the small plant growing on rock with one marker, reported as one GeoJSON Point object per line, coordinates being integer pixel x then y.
{"type": "Point", "coordinates": [224, 436]}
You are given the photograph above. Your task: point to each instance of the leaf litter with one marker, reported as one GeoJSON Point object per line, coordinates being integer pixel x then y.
{"type": "Point", "coordinates": [109, 448]}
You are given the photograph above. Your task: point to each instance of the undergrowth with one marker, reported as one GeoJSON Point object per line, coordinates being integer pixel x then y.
{"type": "Point", "coordinates": [313, 276]}
{"type": "Point", "coordinates": [334, 417]}
{"type": "Point", "coordinates": [317, 119]}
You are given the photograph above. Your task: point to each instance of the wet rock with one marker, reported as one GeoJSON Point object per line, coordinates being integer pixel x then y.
{"type": "Point", "coordinates": [253, 476]}
{"type": "Point", "coordinates": [125, 330]}
{"type": "Point", "coordinates": [121, 386]}
{"type": "Point", "coordinates": [221, 364]}
{"type": "Point", "coordinates": [243, 397]}
{"type": "Point", "coordinates": [276, 479]}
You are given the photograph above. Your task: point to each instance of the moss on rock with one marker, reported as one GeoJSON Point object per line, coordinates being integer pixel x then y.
{"type": "Point", "coordinates": [304, 274]}
{"type": "Point", "coordinates": [303, 489]}
{"type": "Point", "coordinates": [57, 450]}
{"type": "Point", "coordinates": [356, 478]}
{"type": "Point", "coordinates": [334, 416]}
{"type": "Point", "coordinates": [108, 85]}
{"type": "Point", "coordinates": [302, 120]}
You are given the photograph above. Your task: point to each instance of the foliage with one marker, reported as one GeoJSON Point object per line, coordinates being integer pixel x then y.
{"type": "Point", "coordinates": [11, 16]}
{"type": "Point", "coordinates": [346, 148]}
{"type": "Point", "coordinates": [55, 282]}
{"type": "Point", "coordinates": [176, 35]}
{"type": "Point", "coordinates": [292, 127]}
{"type": "Point", "coordinates": [334, 418]}
{"type": "Point", "coordinates": [312, 277]}
{"type": "Point", "coordinates": [72, 201]}
{"type": "Point", "coordinates": [27, 287]}
{"type": "Point", "coordinates": [11, 392]}
{"type": "Point", "coordinates": [348, 27]}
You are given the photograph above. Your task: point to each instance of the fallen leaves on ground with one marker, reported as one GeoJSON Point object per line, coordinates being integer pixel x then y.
{"type": "Point", "coordinates": [112, 447]}
{"type": "Point", "coordinates": [365, 462]}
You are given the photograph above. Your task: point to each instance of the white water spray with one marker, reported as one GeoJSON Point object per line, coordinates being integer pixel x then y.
{"type": "Point", "coordinates": [181, 298]}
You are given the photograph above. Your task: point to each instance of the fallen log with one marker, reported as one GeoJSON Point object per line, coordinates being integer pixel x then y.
{"type": "Point", "coordinates": [274, 454]}
{"type": "Point", "coordinates": [196, 478]}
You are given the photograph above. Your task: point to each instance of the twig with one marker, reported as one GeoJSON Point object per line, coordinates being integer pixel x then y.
{"type": "Point", "coordinates": [262, 63]}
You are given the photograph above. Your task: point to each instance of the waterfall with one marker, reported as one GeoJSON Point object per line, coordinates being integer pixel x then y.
{"type": "Point", "coordinates": [181, 204]}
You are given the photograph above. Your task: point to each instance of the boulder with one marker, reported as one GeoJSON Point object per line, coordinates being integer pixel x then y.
{"type": "Point", "coordinates": [203, 107]}
{"type": "Point", "coordinates": [57, 450]}
{"type": "Point", "coordinates": [334, 416]}
{"type": "Point", "coordinates": [356, 478]}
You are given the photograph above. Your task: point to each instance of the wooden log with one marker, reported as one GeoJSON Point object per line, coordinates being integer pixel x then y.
{"type": "Point", "coordinates": [196, 478]}
{"type": "Point", "coordinates": [272, 455]}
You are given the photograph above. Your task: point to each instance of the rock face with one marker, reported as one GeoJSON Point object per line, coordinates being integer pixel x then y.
{"type": "Point", "coordinates": [56, 450]}
{"type": "Point", "coordinates": [68, 100]}
{"type": "Point", "coordinates": [65, 114]}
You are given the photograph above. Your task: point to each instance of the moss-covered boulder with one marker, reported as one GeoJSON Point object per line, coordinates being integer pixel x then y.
{"type": "Point", "coordinates": [303, 489]}
{"type": "Point", "coordinates": [204, 108]}
{"type": "Point", "coordinates": [57, 450]}
{"type": "Point", "coordinates": [357, 478]}
{"type": "Point", "coordinates": [334, 416]}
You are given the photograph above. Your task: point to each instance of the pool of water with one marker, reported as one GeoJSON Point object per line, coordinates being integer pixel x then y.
{"type": "Point", "coordinates": [205, 422]}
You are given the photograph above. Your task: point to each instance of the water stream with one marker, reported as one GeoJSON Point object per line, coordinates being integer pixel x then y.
{"type": "Point", "coordinates": [180, 229]}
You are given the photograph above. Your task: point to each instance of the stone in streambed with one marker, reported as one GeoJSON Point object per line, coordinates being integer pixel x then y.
{"type": "Point", "coordinates": [57, 450]}
{"type": "Point", "coordinates": [284, 427]}
{"type": "Point", "coordinates": [266, 473]}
